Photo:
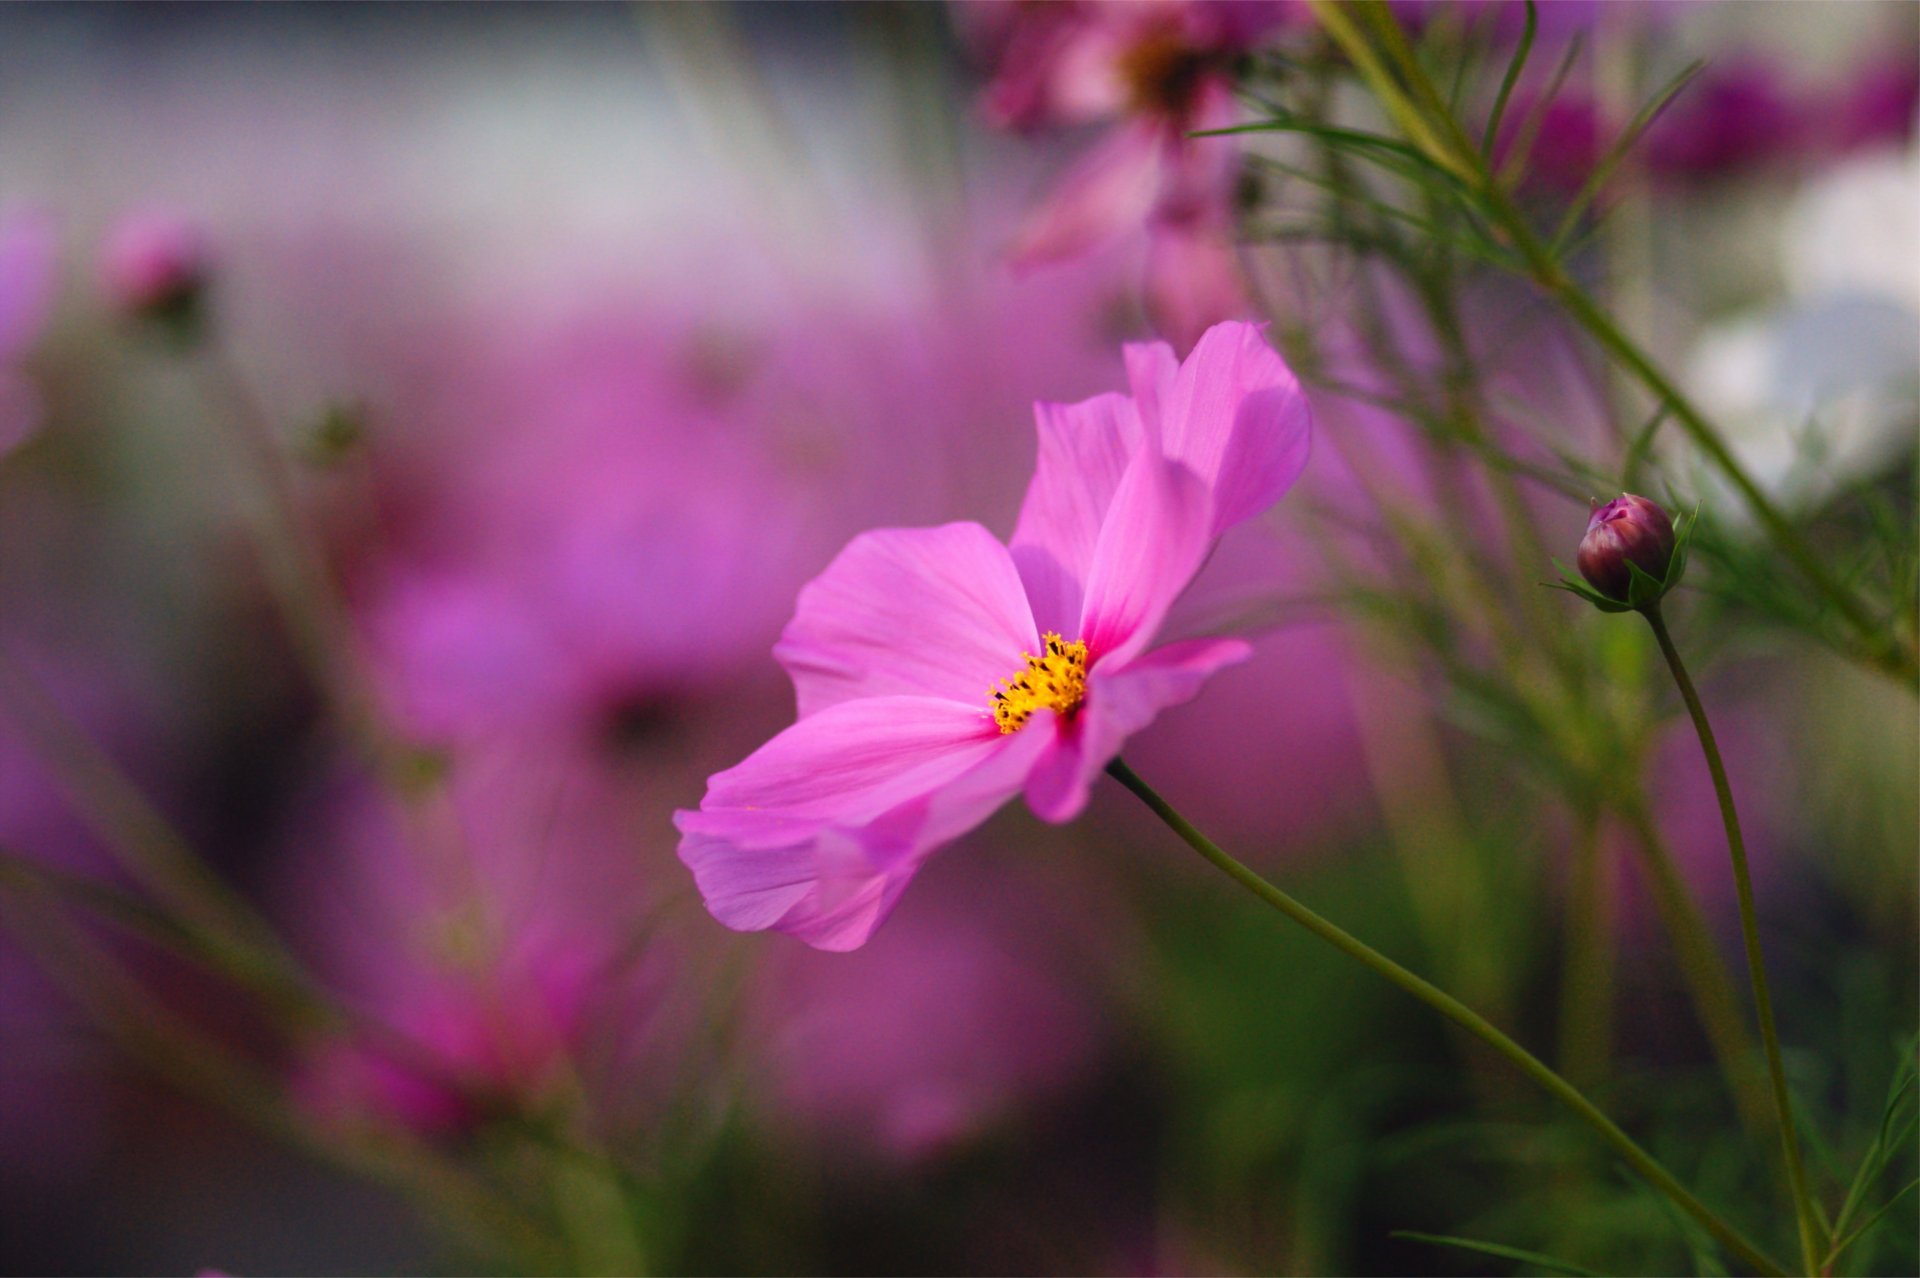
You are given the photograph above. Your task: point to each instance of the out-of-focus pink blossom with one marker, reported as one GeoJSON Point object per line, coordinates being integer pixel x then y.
{"type": "Point", "coordinates": [153, 263]}
{"type": "Point", "coordinates": [1880, 104]}
{"type": "Point", "coordinates": [1568, 139]}
{"type": "Point", "coordinates": [442, 1059]}
{"type": "Point", "coordinates": [1154, 72]}
{"type": "Point", "coordinates": [597, 508]}
{"type": "Point", "coordinates": [903, 742]}
{"type": "Point", "coordinates": [971, 1009]}
{"type": "Point", "coordinates": [27, 264]}
{"type": "Point", "coordinates": [486, 939]}
{"type": "Point", "coordinates": [1735, 117]}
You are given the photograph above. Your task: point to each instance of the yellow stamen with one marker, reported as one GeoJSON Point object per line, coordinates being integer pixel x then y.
{"type": "Point", "coordinates": [1057, 679]}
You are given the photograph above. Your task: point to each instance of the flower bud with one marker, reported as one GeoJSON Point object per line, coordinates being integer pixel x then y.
{"type": "Point", "coordinates": [155, 266]}
{"type": "Point", "coordinates": [1628, 530]}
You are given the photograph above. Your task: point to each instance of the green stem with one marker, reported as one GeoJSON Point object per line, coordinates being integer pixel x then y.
{"type": "Point", "coordinates": [1587, 981]}
{"type": "Point", "coordinates": [1810, 1243]}
{"type": "Point", "coordinates": [1460, 1014]}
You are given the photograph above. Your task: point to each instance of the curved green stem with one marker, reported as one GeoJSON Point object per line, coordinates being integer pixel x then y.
{"type": "Point", "coordinates": [1810, 1242]}
{"type": "Point", "coordinates": [1370, 35]}
{"type": "Point", "coordinates": [1460, 1014]}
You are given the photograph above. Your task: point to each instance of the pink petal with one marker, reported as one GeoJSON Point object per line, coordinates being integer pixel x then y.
{"type": "Point", "coordinates": [1151, 368]}
{"type": "Point", "coordinates": [1152, 543]}
{"type": "Point", "coordinates": [849, 763]}
{"type": "Point", "coordinates": [832, 885]}
{"type": "Point", "coordinates": [1084, 451]}
{"type": "Point", "coordinates": [1108, 192]}
{"type": "Point", "coordinates": [1237, 416]}
{"type": "Point", "coordinates": [1121, 701]}
{"type": "Point", "coordinates": [909, 611]}
{"type": "Point", "coordinates": [830, 888]}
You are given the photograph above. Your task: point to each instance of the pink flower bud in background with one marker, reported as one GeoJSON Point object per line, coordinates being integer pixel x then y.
{"type": "Point", "coordinates": [1627, 530]}
{"type": "Point", "coordinates": [155, 265]}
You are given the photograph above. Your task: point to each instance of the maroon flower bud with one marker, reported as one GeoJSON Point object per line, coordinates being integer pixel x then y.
{"type": "Point", "coordinates": [1627, 530]}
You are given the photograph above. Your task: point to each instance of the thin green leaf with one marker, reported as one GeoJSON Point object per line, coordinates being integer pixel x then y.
{"type": "Point", "coordinates": [1501, 1250]}
{"type": "Point", "coordinates": [1514, 68]}
{"type": "Point", "coordinates": [1868, 1223]}
{"type": "Point", "coordinates": [1881, 1150]}
{"type": "Point", "coordinates": [1642, 445]}
{"type": "Point", "coordinates": [1536, 117]}
{"type": "Point", "coordinates": [1617, 153]}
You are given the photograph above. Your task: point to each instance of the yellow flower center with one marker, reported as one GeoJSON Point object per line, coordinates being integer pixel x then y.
{"type": "Point", "coordinates": [1056, 679]}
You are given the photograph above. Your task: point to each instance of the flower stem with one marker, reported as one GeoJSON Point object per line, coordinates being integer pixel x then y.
{"type": "Point", "coordinates": [1459, 1013]}
{"type": "Point", "coordinates": [1803, 1208]}
{"type": "Point", "coordinates": [1587, 980]}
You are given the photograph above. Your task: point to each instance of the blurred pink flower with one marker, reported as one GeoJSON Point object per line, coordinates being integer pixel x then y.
{"type": "Point", "coordinates": [1567, 143]}
{"type": "Point", "coordinates": [27, 248]}
{"type": "Point", "coordinates": [153, 261]}
{"type": "Point", "coordinates": [1735, 117]}
{"type": "Point", "coordinates": [1157, 71]}
{"type": "Point", "coordinates": [903, 741]}
{"type": "Point", "coordinates": [490, 943]}
{"type": "Point", "coordinates": [1879, 107]}
{"type": "Point", "coordinates": [585, 532]}
{"type": "Point", "coordinates": [597, 511]}
{"type": "Point", "coordinates": [972, 1009]}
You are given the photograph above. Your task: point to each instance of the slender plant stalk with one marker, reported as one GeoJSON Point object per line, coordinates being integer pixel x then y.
{"type": "Point", "coordinates": [1811, 1244]}
{"type": "Point", "coordinates": [1587, 985]}
{"type": "Point", "coordinates": [1459, 1013]}
{"type": "Point", "coordinates": [296, 565]}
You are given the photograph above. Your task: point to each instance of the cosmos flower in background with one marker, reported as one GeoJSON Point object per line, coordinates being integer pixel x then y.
{"type": "Point", "coordinates": [1736, 116]}
{"type": "Point", "coordinates": [1151, 73]}
{"type": "Point", "coordinates": [905, 741]}
{"type": "Point", "coordinates": [592, 559]}
{"type": "Point", "coordinates": [977, 1006]}
{"type": "Point", "coordinates": [499, 941]}
{"type": "Point", "coordinates": [1880, 106]}
{"type": "Point", "coordinates": [27, 278]}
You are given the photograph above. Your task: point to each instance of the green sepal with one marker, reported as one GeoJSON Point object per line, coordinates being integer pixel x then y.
{"type": "Point", "coordinates": [1683, 526]}
{"type": "Point", "coordinates": [1643, 588]}
{"type": "Point", "coordinates": [1575, 586]}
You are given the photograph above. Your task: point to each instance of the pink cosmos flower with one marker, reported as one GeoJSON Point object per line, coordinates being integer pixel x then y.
{"type": "Point", "coordinates": [939, 672]}
{"type": "Point", "coordinates": [1158, 71]}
